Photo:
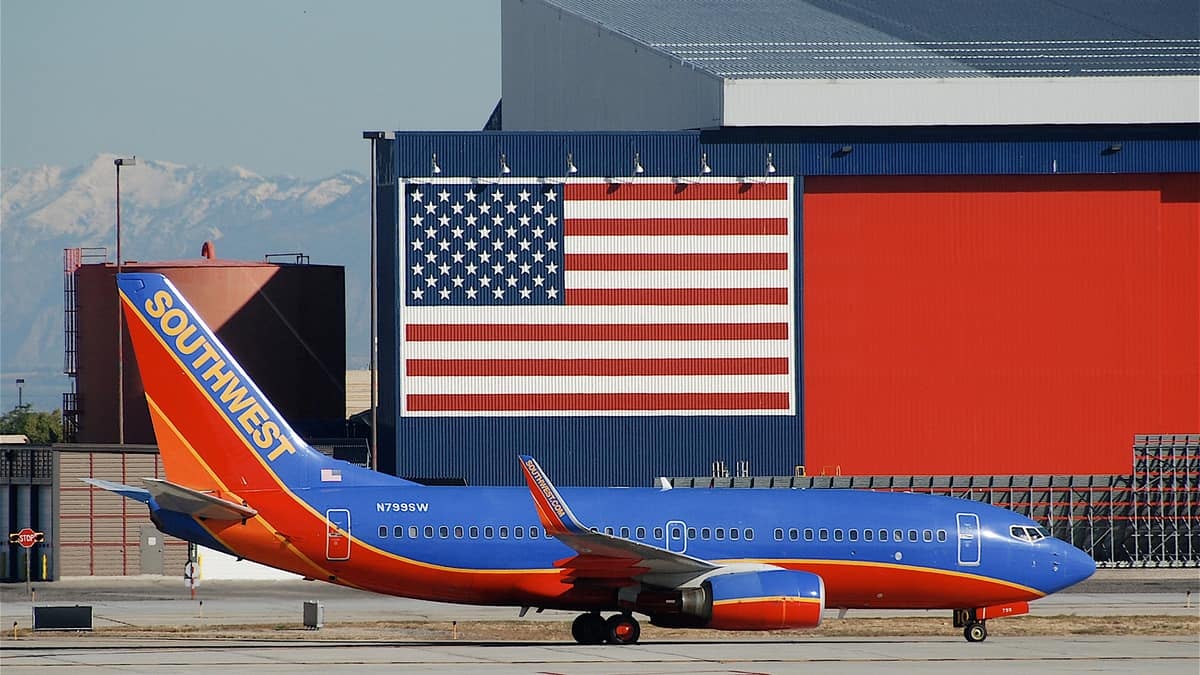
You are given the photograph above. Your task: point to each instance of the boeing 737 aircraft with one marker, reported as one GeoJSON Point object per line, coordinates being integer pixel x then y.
{"type": "Point", "coordinates": [239, 480]}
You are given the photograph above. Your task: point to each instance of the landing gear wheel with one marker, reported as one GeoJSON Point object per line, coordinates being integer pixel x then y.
{"type": "Point", "coordinates": [622, 629]}
{"type": "Point", "coordinates": [589, 629]}
{"type": "Point", "coordinates": [975, 632]}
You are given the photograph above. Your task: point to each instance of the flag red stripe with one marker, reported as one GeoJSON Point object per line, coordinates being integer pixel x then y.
{"type": "Point", "coordinates": [515, 332]}
{"type": "Point", "coordinates": [669, 226]}
{"type": "Point", "coordinates": [667, 191]}
{"type": "Point", "coordinates": [557, 402]}
{"type": "Point", "coordinates": [677, 296]}
{"type": "Point", "coordinates": [580, 262]}
{"type": "Point", "coordinates": [599, 367]}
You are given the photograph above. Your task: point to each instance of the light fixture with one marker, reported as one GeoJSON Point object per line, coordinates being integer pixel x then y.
{"type": "Point", "coordinates": [504, 170]}
{"type": "Point", "coordinates": [436, 167]}
{"type": "Point", "coordinates": [1112, 148]}
{"type": "Point", "coordinates": [571, 168]}
{"type": "Point", "coordinates": [704, 167]}
{"type": "Point", "coordinates": [637, 163]}
{"type": "Point", "coordinates": [770, 163]}
{"type": "Point", "coordinates": [843, 151]}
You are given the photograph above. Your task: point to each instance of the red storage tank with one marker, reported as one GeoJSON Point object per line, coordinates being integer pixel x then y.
{"type": "Point", "coordinates": [998, 324]}
{"type": "Point", "coordinates": [285, 323]}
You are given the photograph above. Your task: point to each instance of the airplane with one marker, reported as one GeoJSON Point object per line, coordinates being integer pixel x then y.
{"type": "Point", "coordinates": [238, 479]}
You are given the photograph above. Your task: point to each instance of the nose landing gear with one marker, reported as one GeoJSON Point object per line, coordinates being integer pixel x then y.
{"type": "Point", "coordinates": [592, 629]}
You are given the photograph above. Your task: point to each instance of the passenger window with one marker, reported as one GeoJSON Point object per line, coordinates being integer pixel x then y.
{"type": "Point", "coordinates": [883, 535]}
{"type": "Point", "coordinates": [823, 534]}
{"type": "Point", "coordinates": [676, 533]}
{"type": "Point", "coordinates": [473, 531]}
{"type": "Point", "coordinates": [625, 532]}
{"type": "Point", "coordinates": [519, 532]}
{"type": "Point", "coordinates": [779, 534]}
{"type": "Point", "coordinates": [837, 534]}
{"type": "Point", "coordinates": [748, 534]}
{"type": "Point", "coordinates": [912, 535]}
{"type": "Point", "coordinates": [504, 532]}
{"type": "Point", "coordinates": [897, 535]}
{"type": "Point", "coordinates": [398, 531]}
{"type": "Point", "coordinates": [691, 533]}
{"type": "Point", "coordinates": [658, 533]}
{"type": "Point", "coordinates": [705, 533]}
{"type": "Point", "coordinates": [458, 531]}
{"type": "Point", "coordinates": [533, 533]}
{"type": "Point", "coordinates": [720, 533]}
{"type": "Point", "coordinates": [412, 531]}
{"type": "Point", "coordinates": [608, 531]}
{"type": "Point", "coordinates": [443, 532]}
{"type": "Point", "coordinates": [927, 535]}
{"type": "Point", "coordinates": [868, 535]}
{"type": "Point", "coordinates": [641, 533]}
{"type": "Point", "coordinates": [852, 535]}
{"type": "Point", "coordinates": [489, 532]}
{"type": "Point", "coordinates": [941, 535]}
{"type": "Point", "coordinates": [808, 534]}
{"type": "Point", "coordinates": [733, 533]}
{"type": "Point", "coordinates": [383, 530]}
{"type": "Point", "coordinates": [429, 532]}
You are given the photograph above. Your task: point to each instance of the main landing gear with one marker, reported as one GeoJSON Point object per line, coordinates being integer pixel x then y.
{"type": "Point", "coordinates": [618, 629]}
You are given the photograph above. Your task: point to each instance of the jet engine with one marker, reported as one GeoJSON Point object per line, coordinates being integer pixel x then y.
{"type": "Point", "coordinates": [759, 600]}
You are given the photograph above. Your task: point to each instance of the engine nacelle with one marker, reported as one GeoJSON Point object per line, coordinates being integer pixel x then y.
{"type": "Point", "coordinates": [767, 600]}
{"type": "Point", "coordinates": [760, 600]}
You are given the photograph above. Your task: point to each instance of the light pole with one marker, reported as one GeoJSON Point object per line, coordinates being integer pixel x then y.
{"type": "Point", "coordinates": [20, 386]}
{"type": "Point", "coordinates": [120, 162]}
{"type": "Point", "coordinates": [374, 137]}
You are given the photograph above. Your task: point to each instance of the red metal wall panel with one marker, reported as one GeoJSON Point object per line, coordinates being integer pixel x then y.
{"type": "Point", "coordinates": [995, 325]}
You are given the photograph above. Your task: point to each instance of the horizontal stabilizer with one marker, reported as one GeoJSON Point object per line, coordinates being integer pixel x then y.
{"type": "Point", "coordinates": [174, 497]}
{"type": "Point", "coordinates": [135, 493]}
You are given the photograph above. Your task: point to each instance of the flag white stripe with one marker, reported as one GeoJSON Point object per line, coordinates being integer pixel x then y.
{"type": "Point", "coordinates": [654, 384]}
{"type": "Point", "coordinates": [706, 209]}
{"type": "Point", "coordinates": [680, 279]}
{"type": "Point", "coordinates": [723, 243]}
{"type": "Point", "coordinates": [649, 349]}
{"type": "Point", "coordinates": [602, 314]}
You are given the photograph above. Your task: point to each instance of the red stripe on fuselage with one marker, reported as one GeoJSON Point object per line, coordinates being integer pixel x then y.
{"type": "Point", "coordinates": [595, 367]}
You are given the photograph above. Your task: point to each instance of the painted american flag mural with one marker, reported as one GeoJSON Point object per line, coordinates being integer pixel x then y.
{"type": "Point", "coordinates": [591, 297]}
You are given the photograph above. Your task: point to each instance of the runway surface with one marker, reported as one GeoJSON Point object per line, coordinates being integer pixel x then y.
{"type": "Point", "coordinates": [937, 655]}
{"type": "Point", "coordinates": [159, 601]}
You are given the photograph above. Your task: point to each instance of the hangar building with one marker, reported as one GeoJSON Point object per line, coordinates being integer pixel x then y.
{"type": "Point", "coordinates": [844, 238]}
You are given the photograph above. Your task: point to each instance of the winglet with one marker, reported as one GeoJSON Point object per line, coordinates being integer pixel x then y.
{"type": "Point", "coordinates": [552, 510]}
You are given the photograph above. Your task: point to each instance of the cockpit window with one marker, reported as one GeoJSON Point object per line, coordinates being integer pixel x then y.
{"type": "Point", "coordinates": [1030, 534]}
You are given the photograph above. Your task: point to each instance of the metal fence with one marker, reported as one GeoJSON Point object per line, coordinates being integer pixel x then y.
{"type": "Point", "coordinates": [1150, 518]}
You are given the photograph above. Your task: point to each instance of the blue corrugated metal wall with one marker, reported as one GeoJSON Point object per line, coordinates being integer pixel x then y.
{"type": "Point", "coordinates": [632, 450]}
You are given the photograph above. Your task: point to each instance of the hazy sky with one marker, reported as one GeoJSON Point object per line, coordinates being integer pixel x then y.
{"type": "Point", "coordinates": [275, 86]}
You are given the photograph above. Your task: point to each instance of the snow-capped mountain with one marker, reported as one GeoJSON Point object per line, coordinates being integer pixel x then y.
{"type": "Point", "coordinates": [167, 211]}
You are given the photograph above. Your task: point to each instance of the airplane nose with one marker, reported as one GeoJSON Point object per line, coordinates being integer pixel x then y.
{"type": "Point", "coordinates": [1075, 565]}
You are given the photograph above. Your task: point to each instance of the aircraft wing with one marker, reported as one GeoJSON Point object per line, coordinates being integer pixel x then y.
{"type": "Point", "coordinates": [603, 558]}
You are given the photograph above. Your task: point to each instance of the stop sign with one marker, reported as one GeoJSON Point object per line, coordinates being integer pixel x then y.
{"type": "Point", "coordinates": [27, 537]}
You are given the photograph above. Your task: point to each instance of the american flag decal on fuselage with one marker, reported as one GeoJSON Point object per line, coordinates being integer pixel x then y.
{"type": "Point", "coordinates": [591, 297]}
